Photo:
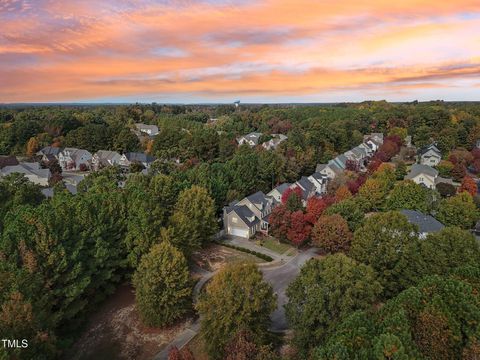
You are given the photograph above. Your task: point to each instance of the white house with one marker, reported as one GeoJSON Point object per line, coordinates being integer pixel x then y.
{"type": "Point", "coordinates": [273, 143]}
{"type": "Point", "coordinates": [429, 155]}
{"type": "Point", "coordinates": [74, 159]}
{"type": "Point", "coordinates": [278, 191]}
{"type": "Point", "coordinates": [105, 158]}
{"type": "Point", "coordinates": [133, 157]}
{"type": "Point", "coordinates": [320, 182]}
{"type": "Point", "coordinates": [423, 175]}
{"type": "Point", "coordinates": [150, 130]}
{"type": "Point", "coordinates": [249, 139]}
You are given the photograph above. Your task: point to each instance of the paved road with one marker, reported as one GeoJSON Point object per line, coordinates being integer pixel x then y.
{"type": "Point", "coordinates": [280, 278]}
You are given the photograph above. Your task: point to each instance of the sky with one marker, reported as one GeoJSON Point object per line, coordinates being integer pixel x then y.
{"type": "Point", "coordinates": [225, 50]}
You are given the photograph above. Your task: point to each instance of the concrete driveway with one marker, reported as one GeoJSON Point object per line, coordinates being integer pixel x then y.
{"type": "Point", "coordinates": [280, 278]}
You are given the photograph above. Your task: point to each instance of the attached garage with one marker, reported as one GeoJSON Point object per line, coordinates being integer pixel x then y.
{"type": "Point", "coordinates": [239, 232]}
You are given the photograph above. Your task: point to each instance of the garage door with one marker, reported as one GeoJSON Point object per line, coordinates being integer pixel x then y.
{"type": "Point", "coordinates": [239, 232]}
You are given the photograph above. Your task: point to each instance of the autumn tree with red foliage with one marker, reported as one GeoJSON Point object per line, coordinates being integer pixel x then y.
{"type": "Point", "coordinates": [354, 185]}
{"type": "Point", "coordinates": [316, 207]}
{"type": "Point", "coordinates": [279, 222]}
{"type": "Point", "coordinates": [374, 164]}
{"type": "Point", "coordinates": [469, 185]}
{"type": "Point", "coordinates": [459, 171]}
{"type": "Point", "coordinates": [299, 229]}
{"type": "Point", "coordinates": [331, 234]}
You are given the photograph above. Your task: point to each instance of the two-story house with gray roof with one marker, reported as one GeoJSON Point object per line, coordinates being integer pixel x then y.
{"type": "Point", "coordinates": [426, 224]}
{"type": "Point", "coordinates": [74, 159]}
{"type": "Point", "coordinates": [429, 155]}
{"type": "Point", "coordinates": [278, 191]}
{"type": "Point", "coordinates": [423, 175]}
{"type": "Point", "coordinates": [249, 139]}
{"type": "Point", "coordinates": [248, 216]}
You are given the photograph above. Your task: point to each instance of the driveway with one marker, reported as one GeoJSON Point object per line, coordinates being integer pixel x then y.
{"type": "Point", "coordinates": [280, 278]}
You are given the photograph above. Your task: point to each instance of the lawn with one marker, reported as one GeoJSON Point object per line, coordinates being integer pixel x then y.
{"type": "Point", "coordinates": [274, 245]}
{"type": "Point", "coordinates": [216, 256]}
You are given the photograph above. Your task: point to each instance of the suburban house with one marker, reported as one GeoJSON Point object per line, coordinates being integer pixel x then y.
{"type": "Point", "coordinates": [105, 158]}
{"type": "Point", "coordinates": [340, 162]}
{"type": "Point", "coordinates": [32, 172]}
{"type": "Point", "coordinates": [307, 187]}
{"type": "Point", "coordinates": [277, 192]}
{"type": "Point", "coordinates": [429, 155]}
{"type": "Point", "coordinates": [426, 224]}
{"type": "Point", "coordinates": [8, 161]}
{"type": "Point", "coordinates": [49, 153]}
{"type": "Point", "coordinates": [329, 170]}
{"type": "Point", "coordinates": [273, 143]}
{"type": "Point", "coordinates": [320, 182]}
{"type": "Point", "coordinates": [134, 157]}
{"type": "Point", "coordinates": [373, 141]}
{"type": "Point", "coordinates": [74, 159]}
{"type": "Point", "coordinates": [249, 139]}
{"type": "Point", "coordinates": [423, 175]}
{"type": "Point", "coordinates": [150, 130]}
{"type": "Point", "coordinates": [357, 156]}
{"type": "Point", "coordinates": [249, 215]}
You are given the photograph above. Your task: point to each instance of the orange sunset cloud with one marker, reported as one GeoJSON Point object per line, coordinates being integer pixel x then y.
{"type": "Point", "coordinates": [219, 50]}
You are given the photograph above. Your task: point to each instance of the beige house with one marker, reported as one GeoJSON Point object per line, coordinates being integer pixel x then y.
{"type": "Point", "coordinates": [423, 175]}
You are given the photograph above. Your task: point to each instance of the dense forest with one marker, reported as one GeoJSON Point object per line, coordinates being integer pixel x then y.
{"type": "Point", "coordinates": [407, 298]}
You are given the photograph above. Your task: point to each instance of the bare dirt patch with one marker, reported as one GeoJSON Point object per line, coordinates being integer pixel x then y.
{"type": "Point", "coordinates": [215, 257]}
{"type": "Point", "coordinates": [115, 332]}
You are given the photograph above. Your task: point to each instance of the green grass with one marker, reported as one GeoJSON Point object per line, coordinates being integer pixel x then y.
{"type": "Point", "coordinates": [274, 245]}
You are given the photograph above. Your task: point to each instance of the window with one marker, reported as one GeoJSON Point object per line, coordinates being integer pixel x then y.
{"type": "Point", "coordinates": [234, 219]}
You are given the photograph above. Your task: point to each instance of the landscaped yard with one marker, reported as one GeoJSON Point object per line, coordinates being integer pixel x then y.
{"type": "Point", "coordinates": [216, 256]}
{"type": "Point", "coordinates": [273, 244]}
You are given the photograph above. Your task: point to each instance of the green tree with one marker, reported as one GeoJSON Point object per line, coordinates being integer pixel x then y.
{"type": "Point", "coordinates": [236, 299]}
{"type": "Point", "coordinates": [163, 289]}
{"type": "Point", "coordinates": [325, 292]}
{"type": "Point", "coordinates": [193, 221]}
{"type": "Point", "coordinates": [459, 210]}
{"type": "Point", "coordinates": [350, 209]}
{"type": "Point", "coordinates": [381, 242]}
{"type": "Point", "coordinates": [411, 196]}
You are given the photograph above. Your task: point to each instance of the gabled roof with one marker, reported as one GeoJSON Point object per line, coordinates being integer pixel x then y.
{"type": "Point", "coordinates": [27, 169]}
{"type": "Point", "coordinates": [107, 155]}
{"type": "Point", "coordinates": [75, 153]}
{"type": "Point", "coordinates": [425, 223]}
{"type": "Point", "coordinates": [319, 177]}
{"type": "Point", "coordinates": [418, 169]}
{"type": "Point", "coordinates": [427, 148]}
{"type": "Point", "coordinates": [245, 214]}
{"type": "Point", "coordinates": [49, 150]}
{"type": "Point", "coordinates": [282, 187]}
{"type": "Point", "coordinates": [258, 198]}
{"type": "Point", "coordinates": [306, 186]}
{"type": "Point", "coordinates": [253, 136]}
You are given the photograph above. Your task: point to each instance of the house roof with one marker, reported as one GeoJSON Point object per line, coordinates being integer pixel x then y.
{"type": "Point", "coordinates": [27, 169]}
{"type": "Point", "coordinates": [425, 223]}
{"type": "Point", "coordinates": [139, 157]}
{"type": "Point", "coordinates": [107, 155]}
{"type": "Point", "coordinates": [427, 148]}
{"type": "Point", "coordinates": [306, 186]}
{"type": "Point", "coordinates": [8, 161]}
{"type": "Point", "coordinates": [282, 187]}
{"type": "Point", "coordinates": [246, 214]}
{"type": "Point", "coordinates": [145, 127]}
{"type": "Point", "coordinates": [258, 198]}
{"type": "Point", "coordinates": [253, 136]}
{"type": "Point", "coordinates": [75, 153]}
{"type": "Point", "coordinates": [418, 169]}
{"type": "Point", "coordinates": [49, 150]}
